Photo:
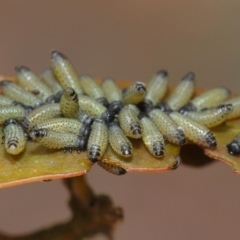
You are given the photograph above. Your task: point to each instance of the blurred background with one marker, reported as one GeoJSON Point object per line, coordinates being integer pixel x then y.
{"type": "Point", "coordinates": [131, 40]}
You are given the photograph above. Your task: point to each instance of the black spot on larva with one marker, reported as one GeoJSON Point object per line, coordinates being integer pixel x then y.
{"type": "Point", "coordinates": [163, 107]}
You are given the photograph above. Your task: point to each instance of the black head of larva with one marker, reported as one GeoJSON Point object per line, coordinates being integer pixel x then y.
{"type": "Point", "coordinates": [211, 140]}
{"type": "Point", "coordinates": [116, 106]}
{"type": "Point", "coordinates": [140, 87]}
{"type": "Point", "coordinates": [187, 108]}
{"type": "Point", "coordinates": [9, 121]}
{"type": "Point", "coordinates": [5, 83]}
{"type": "Point", "coordinates": [225, 107]}
{"type": "Point", "coordinates": [55, 54]}
{"type": "Point", "coordinates": [144, 106]}
{"type": "Point", "coordinates": [233, 148]}
{"type": "Point", "coordinates": [108, 116]}
{"type": "Point", "coordinates": [53, 99]}
{"type": "Point", "coordinates": [163, 107]}
{"type": "Point", "coordinates": [189, 77]}
{"type": "Point", "coordinates": [22, 69]}
{"type": "Point", "coordinates": [126, 150]}
{"type": "Point", "coordinates": [162, 73]}
{"type": "Point", "coordinates": [176, 165]}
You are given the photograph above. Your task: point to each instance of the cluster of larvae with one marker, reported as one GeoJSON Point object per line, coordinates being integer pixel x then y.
{"type": "Point", "coordinates": [62, 110]}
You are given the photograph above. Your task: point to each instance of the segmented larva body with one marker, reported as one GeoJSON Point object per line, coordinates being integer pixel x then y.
{"type": "Point", "coordinates": [235, 113]}
{"type": "Point", "coordinates": [69, 103]}
{"type": "Point", "coordinates": [157, 88]}
{"type": "Point", "coordinates": [93, 90]}
{"type": "Point", "coordinates": [94, 109]}
{"type": "Point", "coordinates": [98, 140]}
{"type": "Point", "coordinates": [29, 81]}
{"type": "Point", "coordinates": [134, 108]}
{"type": "Point", "coordinates": [51, 81]}
{"type": "Point", "coordinates": [5, 101]}
{"type": "Point", "coordinates": [19, 94]}
{"type": "Point", "coordinates": [234, 146]}
{"type": "Point", "coordinates": [118, 141]}
{"type": "Point", "coordinates": [194, 131]}
{"type": "Point", "coordinates": [13, 137]}
{"type": "Point", "coordinates": [113, 94]}
{"type": "Point", "coordinates": [135, 93]}
{"type": "Point", "coordinates": [7, 112]}
{"type": "Point", "coordinates": [211, 117]}
{"type": "Point", "coordinates": [181, 94]}
{"type": "Point", "coordinates": [208, 99]}
{"type": "Point", "coordinates": [167, 127]}
{"type": "Point", "coordinates": [112, 168]}
{"type": "Point", "coordinates": [152, 137]}
{"type": "Point", "coordinates": [129, 122]}
{"type": "Point", "coordinates": [65, 72]}
{"type": "Point", "coordinates": [40, 114]}
{"type": "Point", "coordinates": [61, 125]}
{"type": "Point", "coordinates": [55, 140]}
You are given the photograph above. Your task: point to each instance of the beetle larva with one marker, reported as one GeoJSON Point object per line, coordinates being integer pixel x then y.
{"type": "Point", "coordinates": [64, 125]}
{"type": "Point", "coordinates": [112, 168]}
{"type": "Point", "coordinates": [235, 113]}
{"type": "Point", "coordinates": [135, 93]}
{"type": "Point", "coordinates": [7, 112]}
{"type": "Point", "coordinates": [40, 114]}
{"type": "Point", "coordinates": [55, 140]}
{"type": "Point", "coordinates": [211, 117]}
{"type": "Point", "coordinates": [94, 108]}
{"type": "Point", "coordinates": [234, 146]}
{"type": "Point", "coordinates": [51, 81]}
{"type": "Point", "coordinates": [194, 131]}
{"type": "Point", "coordinates": [118, 141]}
{"type": "Point", "coordinates": [211, 98]}
{"type": "Point", "coordinates": [19, 94]}
{"type": "Point", "coordinates": [113, 94]}
{"type": "Point", "coordinates": [129, 122]}
{"type": "Point", "coordinates": [134, 108]}
{"type": "Point", "coordinates": [152, 137]}
{"type": "Point", "coordinates": [13, 137]}
{"type": "Point", "coordinates": [69, 103]}
{"type": "Point", "coordinates": [181, 94]}
{"type": "Point", "coordinates": [167, 127]}
{"type": "Point", "coordinates": [65, 72]}
{"type": "Point", "coordinates": [156, 88]}
{"type": "Point", "coordinates": [29, 81]}
{"type": "Point", "coordinates": [98, 140]}
{"type": "Point", "coordinates": [93, 90]}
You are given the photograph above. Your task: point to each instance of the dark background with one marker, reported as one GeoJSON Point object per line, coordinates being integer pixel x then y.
{"type": "Point", "coordinates": [131, 40]}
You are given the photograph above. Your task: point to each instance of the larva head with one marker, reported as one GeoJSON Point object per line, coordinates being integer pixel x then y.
{"type": "Point", "coordinates": [211, 140]}
{"type": "Point", "coordinates": [37, 133]}
{"type": "Point", "coordinates": [233, 148]}
{"type": "Point", "coordinates": [126, 150]}
{"type": "Point", "coordinates": [187, 108]}
{"type": "Point", "coordinates": [9, 121]}
{"type": "Point", "coordinates": [116, 106]}
{"type": "Point", "coordinates": [108, 116]}
{"type": "Point", "coordinates": [226, 107]}
{"type": "Point", "coordinates": [181, 136]}
{"type": "Point", "coordinates": [140, 87]}
{"type": "Point", "coordinates": [22, 69]}
{"type": "Point", "coordinates": [53, 99]}
{"type": "Point", "coordinates": [162, 73]}
{"type": "Point", "coordinates": [163, 107]}
{"type": "Point", "coordinates": [69, 92]}
{"type": "Point", "coordinates": [189, 77]}
{"type": "Point", "coordinates": [176, 165]}
{"type": "Point", "coordinates": [57, 56]}
{"type": "Point", "coordinates": [103, 101]}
